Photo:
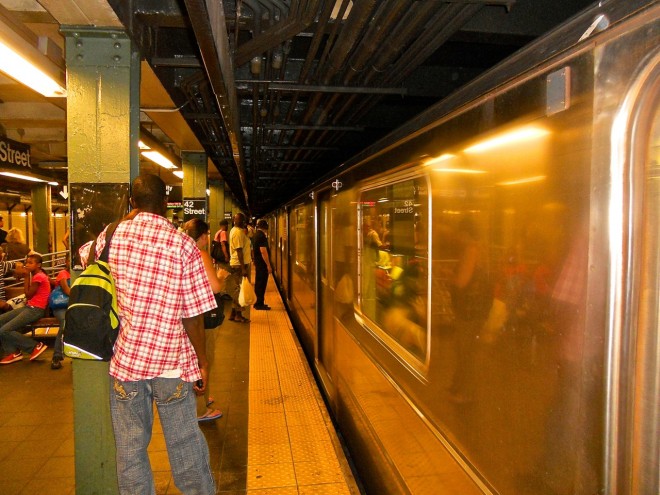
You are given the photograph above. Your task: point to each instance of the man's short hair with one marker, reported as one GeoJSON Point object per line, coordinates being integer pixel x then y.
{"type": "Point", "coordinates": [262, 224]}
{"type": "Point", "coordinates": [148, 191]}
{"type": "Point", "coordinates": [224, 223]}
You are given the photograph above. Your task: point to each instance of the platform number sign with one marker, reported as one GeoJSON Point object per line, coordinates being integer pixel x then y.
{"type": "Point", "coordinates": [194, 208]}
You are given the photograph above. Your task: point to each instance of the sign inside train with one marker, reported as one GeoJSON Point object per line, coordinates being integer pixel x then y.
{"type": "Point", "coordinates": [14, 154]}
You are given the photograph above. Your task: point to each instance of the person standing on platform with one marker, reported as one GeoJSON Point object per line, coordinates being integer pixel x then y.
{"type": "Point", "coordinates": [162, 293]}
{"type": "Point", "coordinates": [239, 262]}
{"type": "Point", "coordinates": [3, 232]}
{"type": "Point", "coordinates": [262, 265]}
{"type": "Point", "coordinates": [198, 229]}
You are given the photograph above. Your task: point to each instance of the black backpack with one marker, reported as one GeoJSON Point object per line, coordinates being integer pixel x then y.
{"type": "Point", "coordinates": [91, 322]}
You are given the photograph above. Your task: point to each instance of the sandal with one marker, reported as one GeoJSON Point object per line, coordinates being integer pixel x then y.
{"type": "Point", "coordinates": [210, 415]}
{"type": "Point", "coordinates": [210, 401]}
{"type": "Point", "coordinates": [232, 316]}
{"type": "Point", "coordinates": [241, 319]}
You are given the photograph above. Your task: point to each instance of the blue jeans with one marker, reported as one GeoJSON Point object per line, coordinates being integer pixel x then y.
{"type": "Point", "coordinates": [17, 319]}
{"type": "Point", "coordinates": [58, 350]}
{"type": "Point", "coordinates": [131, 407]}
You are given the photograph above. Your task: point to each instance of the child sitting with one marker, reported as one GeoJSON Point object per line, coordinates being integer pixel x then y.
{"type": "Point", "coordinates": [37, 290]}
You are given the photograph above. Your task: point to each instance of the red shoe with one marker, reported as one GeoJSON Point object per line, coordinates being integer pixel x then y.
{"type": "Point", "coordinates": [12, 358]}
{"type": "Point", "coordinates": [38, 351]}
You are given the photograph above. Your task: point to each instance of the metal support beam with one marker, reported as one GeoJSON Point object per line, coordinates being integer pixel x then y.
{"type": "Point", "coordinates": [283, 127]}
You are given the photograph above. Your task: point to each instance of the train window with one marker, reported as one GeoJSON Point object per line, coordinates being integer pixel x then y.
{"type": "Point", "coordinates": [394, 261]}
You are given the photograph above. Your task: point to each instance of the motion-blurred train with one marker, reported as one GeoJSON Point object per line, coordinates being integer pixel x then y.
{"type": "Point", "coordinates": [478, 292]}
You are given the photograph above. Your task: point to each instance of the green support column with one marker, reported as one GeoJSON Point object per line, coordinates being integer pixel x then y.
{"type": "Point", "coordinates": [41, 210]}
{"type": "Point", "coordinates": [194, 178]}
{"type": "Point", "coordinates": [102, 131]}
{"type": "Point", "coordinates": [216, 204]}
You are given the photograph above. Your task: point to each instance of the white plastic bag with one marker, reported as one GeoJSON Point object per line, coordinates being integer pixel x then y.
{"type": "Point", "coordinates": [247, 296]}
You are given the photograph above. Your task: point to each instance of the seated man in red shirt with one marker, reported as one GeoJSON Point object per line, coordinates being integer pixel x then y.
{"type": "Point", "coordinates": [37, 290]}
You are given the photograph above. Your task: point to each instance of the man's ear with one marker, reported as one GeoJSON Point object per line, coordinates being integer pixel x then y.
{"type": "Point", "coordinates": [130, 200]}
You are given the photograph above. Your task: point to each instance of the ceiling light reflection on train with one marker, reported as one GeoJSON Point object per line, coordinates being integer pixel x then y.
{"type": "Point", "coordinates": [438, 159]}
{"type": "Point", "coordinates": [515, 136]}
{"type": "Point", "coordinates": [526, 180]}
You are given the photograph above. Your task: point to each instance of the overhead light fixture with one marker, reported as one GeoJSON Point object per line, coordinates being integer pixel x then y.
{"type": "Point", "coordinates": [153, 149]}
{"type": "Point", "coordinates": [29, 178]}
{"type": "Point", "coordinates": [23, 61]}
{"type": "Point", "coordinates": [178, 173]}
{"type": "Point", "coordinates": [157, 157]}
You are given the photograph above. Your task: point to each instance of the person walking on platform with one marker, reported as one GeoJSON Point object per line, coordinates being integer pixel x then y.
{"type": "Point", "coordinates": [162, 293]}
{"type": "Point", "coordinates": [262, 265]}
{"type": "Point", "coordinates": [239, 262]}
{"type": "Point", "coordinates": [37, 290]}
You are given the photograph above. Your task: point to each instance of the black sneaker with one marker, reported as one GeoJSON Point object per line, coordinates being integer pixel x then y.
{"type": "Point", "coordinates": [262, 307]}
{"type": "Point", "coordinates": [55, 364]}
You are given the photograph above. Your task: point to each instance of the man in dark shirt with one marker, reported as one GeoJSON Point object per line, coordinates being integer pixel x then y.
{"type": "Point", "coordinates": [261, 263]}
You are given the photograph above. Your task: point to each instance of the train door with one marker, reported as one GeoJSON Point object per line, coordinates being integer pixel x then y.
{"type": "Point", "coordinates": [633, 439]}
{"type": "Point", "coordinates": [324, 343]}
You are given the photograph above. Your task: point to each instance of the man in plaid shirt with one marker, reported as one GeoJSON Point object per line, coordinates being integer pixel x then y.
{"type": "Point", "coordinates": [162, 292]}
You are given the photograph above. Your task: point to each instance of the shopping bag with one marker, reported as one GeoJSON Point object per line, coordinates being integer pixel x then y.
{"type": "Point", "coordinates": [247, 296]}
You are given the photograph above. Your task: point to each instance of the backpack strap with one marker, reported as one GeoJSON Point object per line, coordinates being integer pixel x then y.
{"type": "Point", "coordinates": [106, 249]}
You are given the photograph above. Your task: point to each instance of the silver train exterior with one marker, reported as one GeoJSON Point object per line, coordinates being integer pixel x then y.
{"type": "Point", "coordinates": [478, 292]}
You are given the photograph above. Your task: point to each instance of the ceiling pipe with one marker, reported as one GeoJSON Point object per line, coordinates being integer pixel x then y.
{"type": "Point", "coordinates": [257, 15]}
{"type": "Point", "coordinates": [208, 21]}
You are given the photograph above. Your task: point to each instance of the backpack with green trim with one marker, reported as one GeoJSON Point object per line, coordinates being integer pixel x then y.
{"type": "Point", "coordinates": [91, 322]}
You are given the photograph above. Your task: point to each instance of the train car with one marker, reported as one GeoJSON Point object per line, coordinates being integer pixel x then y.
{"type": "Point", "coordinates": [478, 292]}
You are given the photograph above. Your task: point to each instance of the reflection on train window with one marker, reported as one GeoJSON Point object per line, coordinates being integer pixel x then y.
{"type": "Point", "coordinates": [394, 261]}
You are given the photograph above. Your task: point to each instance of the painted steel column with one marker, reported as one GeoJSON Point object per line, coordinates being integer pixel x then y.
{"type": "Point", "coordinates": [216, 204]}
{"type": "Point", "coordinates": [194, 174]}
{"type": "Point", "coordinates": [41, 211]}
{"type": "Point", "coordinates": [103, 77]}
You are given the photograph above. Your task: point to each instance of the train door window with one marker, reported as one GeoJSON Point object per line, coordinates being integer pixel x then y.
{"type": "Point", "coordinates": [394, 262]}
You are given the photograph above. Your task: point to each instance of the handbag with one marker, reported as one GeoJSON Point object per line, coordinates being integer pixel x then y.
{"type": "Point", "coordinates": [247, 296]}
{"type": "Point", "coordinates": [58, 299]}
{"type": "Point", "coordinates": [214, 317]}
{"type": "Point", "coordinates": [217, 253]}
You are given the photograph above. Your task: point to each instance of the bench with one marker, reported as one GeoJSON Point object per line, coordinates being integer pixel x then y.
{"type": "Point", "coordinates": [46, 327]}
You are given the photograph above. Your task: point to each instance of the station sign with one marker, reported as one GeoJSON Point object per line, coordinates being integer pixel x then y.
{"type": "Point", "coordinates": [14, 155]}
{"type": "Point", "coordinates": [174, 194]}
{"type": "Point", "coordinates": [194, 208]}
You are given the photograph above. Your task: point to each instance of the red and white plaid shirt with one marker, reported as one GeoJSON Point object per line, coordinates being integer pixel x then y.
{"type": "Point", "coordinates": [160, 279]}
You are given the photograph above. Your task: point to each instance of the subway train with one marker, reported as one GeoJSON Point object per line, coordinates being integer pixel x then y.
{"type": "Point", "coordinates": [478, 292]}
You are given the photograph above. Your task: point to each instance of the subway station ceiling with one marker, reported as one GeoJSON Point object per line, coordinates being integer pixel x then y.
{"type": "Point", "coordinates": [278, 93]}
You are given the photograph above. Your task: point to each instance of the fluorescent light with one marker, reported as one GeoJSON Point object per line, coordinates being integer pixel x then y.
{"type": "Point", "coordinates": [507, 138]}
{"type": "Point", "coordinates": [25, 177]}
{"type": "Point", "coordinates": [178, 173]}
{"type": "Point", "coordinates": [53, 183]}
{"type": "Point", "coordinates": [17, 67]}
{"type": "Point", "coordinates": [143, 146]}
{"type": "Point", "coordinates": [161, 160]}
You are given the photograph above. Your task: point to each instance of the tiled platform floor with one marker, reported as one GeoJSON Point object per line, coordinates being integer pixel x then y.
{"type": "Point", "coordinates": [285, 445]}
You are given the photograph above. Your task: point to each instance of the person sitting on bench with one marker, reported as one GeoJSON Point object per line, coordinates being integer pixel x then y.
{"type": "Point", "coordinates": [37, 290]}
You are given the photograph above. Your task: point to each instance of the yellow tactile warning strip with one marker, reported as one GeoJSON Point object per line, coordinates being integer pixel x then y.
{"type": "Point", "coordinates": [292, 444]}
